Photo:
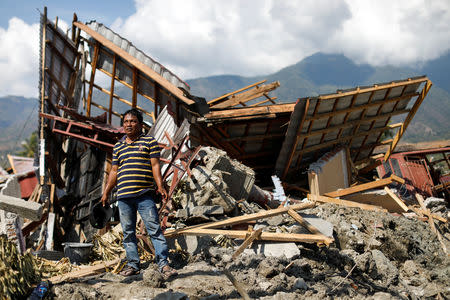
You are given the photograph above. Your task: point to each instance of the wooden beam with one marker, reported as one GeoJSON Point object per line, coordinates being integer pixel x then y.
{"type": "Point", "coordinates": [135, 88]}
{"type": "Point", "coordinates": [150, 114]}
{"type": "Point", "coordinates": [243, 219]}
{"type": "Point", "coordinates": [235, 92]}
{"type": "Point", "coordinates": [360, 107]}
{"type": "Point", "coordinates": [248, 95]}
{"type": "Point", "coordinates": [431, 221]}
{"type": "Point", "coordinates": [91, 79]}
{"type": "Point", "coordinates": [369, 167]}
{"type": "Point", "coordinates": [376, 88]}
{"type": "Point", "coordinates": [127, 85]}
{"type": "Point", "coordinates": [309, 227]}
{"type": "Point", "coordinates": [265, 236]}
{"type": "Point", "coordinates": [111, 93]}
{"type": "Point", "coordinates": [247, 111]}
{"type": "Point", "coordinates": [91, 270]}
{"type": "Point", "coordinates": [397, 200]}
{"type": "Point", "coordinates": [248, 241]}
{"type": "Point", "coordinates": [353, 123]}
{"type": "Point", "coordinates": [325, 199]}
{"type": "Point", "coordinates": [264, 101]}
{"type": "Point", "coordinates": [342, 139]}
{"type": "Point", "coordinates": [408, 119]}
{"type": "Point", "coordinates": [254, 137]}
{"type": "Point", "coordinates": [366, 186]}
{"type": "Point", "coordinates": [136, 63]}
{"type": "Point", "coordinates": [297, 139]}
{"type": "Point", "coordinates": [241, 290]}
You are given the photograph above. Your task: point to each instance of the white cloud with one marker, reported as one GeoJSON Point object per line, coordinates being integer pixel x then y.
{"type": "Point", "coordinates": [394, 32]}
{"type": "Point", "coordinates": [19, 59]}
{"type": "Point", "coordinates": [198, 38]}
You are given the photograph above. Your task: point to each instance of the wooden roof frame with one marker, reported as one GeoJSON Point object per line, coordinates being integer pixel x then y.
{"type": "Point", "coordinates": [178, 93]}
{"type": "Point", "coordinates": [314, 114]}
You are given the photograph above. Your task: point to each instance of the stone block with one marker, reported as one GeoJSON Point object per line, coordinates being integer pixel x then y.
{"type": "Point", "coordinates": [289, 250]}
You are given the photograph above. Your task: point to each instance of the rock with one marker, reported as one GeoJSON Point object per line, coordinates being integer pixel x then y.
{"type": "Point", "coordinates": [238, 177]}
{"type": "Point", "coordinates": [325, 227]}
{"type": "Point", "coordinates": [431, 202]}
{"type": "Point", "coordinates": [300, 284]}
{"type": "Point", "coordinates": [195, 244]}
{"type": "Point", "coordinates": [275, 220]}
{"type": "Point", "coordinates": [289, 250]}
{"type": "Point", "coordinates": [205, 188]}
{"type": "Point", "coordinates": [207, 210]}
{"type": "Point", "coordinates": [152, 277]}
{"type": "Point", "coordinates": [382, 296]}
{"type": "Point", "coordinates": [383, 269]}
{"type": "Point", "coordinates": [410, 268]}
{"type": "Point", "coordinates": [202, 212]}
{"type": "Point", "coordinates": [265, 285]}
{"type": "Point", "coordinates": [268, 268]}
{"type": "Point", "coordinates": [171, 296]}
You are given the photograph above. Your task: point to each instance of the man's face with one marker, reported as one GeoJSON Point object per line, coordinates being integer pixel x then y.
{"type": "Point", "coordinates": [131, 125]}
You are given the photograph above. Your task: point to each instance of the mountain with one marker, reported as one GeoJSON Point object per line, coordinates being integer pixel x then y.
{"type": "Point", "coordinates": [317, 74]}
{"type": "Point", "coordinates": [18, 119]}
{"type": "Point", "coordinates": [325, 73]}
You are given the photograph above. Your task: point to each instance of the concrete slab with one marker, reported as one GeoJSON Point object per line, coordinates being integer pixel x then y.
{"type": "Point", "coordinates": [275, 249]}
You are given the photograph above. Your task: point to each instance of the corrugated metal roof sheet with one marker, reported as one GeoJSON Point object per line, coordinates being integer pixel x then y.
{"type": "Point", "coordinates": [125, 72]}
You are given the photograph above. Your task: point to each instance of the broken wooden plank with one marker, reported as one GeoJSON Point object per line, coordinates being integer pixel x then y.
{"type": "Point", "coordinates": [381, 198]}
{"type": "Point", "coordinates": [248, 241]}
{"type": "Point", "coordinates": [420, 213]}
{"type": "Point", "coordinates": [30, 227]}
{"type": "Point", "coordinates": [84, 272]}
{"type": "Point", "coordinates": [237, 285]}
{"type": "Point", "coordinates": [250, 111]}
{"type": "Point", "coordinates": [265, 236]}
{"type": "Point", "coordinates": [26, 209]}
{"type": "Point", "coordinates": [431, 221]}
{"type": "Point", "coordinates": [326, 199]}
{"type": "Point", "coordinates": [241, 219]}
{"type": "Point", "coordinates": [366, 186]}
{"type": "Point", "coordinates": [397, 200]}
{"type": "Point", "coordinates": [246, 96]}
{"type": "Point", "coordinates": [235, 92]}
{"type": "Point", "coordinates": [308, 226]}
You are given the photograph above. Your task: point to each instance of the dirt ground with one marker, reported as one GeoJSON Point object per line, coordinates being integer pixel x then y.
{"type": "Point", "coordinates": [375, 256]}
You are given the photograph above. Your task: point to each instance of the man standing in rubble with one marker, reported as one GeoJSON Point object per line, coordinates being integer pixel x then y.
{"type": "Point", "coordinates": [136, 171]}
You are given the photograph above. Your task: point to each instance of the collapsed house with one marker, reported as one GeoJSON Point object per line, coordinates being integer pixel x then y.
{"type": "Point", "coordinates": [224, 149]}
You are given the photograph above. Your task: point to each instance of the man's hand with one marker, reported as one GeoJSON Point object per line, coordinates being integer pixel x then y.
{"type": "Point", "coordinates": [163, 193]}
{"type": "Point", "coordinates": [105, 199]}
{"type": "Point", "coordinates": [112, 180]}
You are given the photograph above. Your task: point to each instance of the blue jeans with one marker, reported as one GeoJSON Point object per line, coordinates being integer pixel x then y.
{"type": "Point", "coordinates": [147, 209]}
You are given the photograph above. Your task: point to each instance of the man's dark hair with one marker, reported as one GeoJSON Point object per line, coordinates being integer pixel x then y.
{"type": "Point", "coordinates": [133, 112]}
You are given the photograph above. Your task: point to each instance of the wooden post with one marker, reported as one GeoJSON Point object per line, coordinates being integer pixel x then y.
{"type": "Point", "coordinates": [41, 135]}
{"type": "Point", "coordinates": [111, 94]}
{"type": "Point", "coordinates": [297, 138]}
{"type": "Point", "coordinates": [408, 119]}
{"type": "Point", "coordinates": [135, 85]}
{"type": "Point", "coordinates": [91, 79]}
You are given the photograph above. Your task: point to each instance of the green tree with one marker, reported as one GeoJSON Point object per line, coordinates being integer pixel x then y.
{"type": "Point", "coordinates": [29, 145]}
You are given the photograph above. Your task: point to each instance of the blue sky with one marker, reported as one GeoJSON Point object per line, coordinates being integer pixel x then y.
{"type": "Point", "coordinates": [199, 38]}
{"type": "Point", "coordinates": [27, 10]}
